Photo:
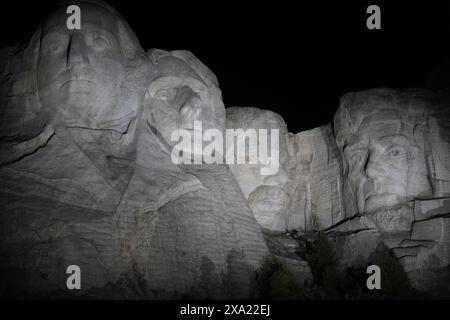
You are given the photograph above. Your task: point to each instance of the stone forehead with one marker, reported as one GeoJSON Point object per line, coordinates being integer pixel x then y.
{"type": "Point", "coordinates": [199, 67]}
{"type": "Point", "coordinates": [169, 66]}
{"type": "Point", "coordinates": [358, 110]}
{"type": "Point", "coordinates": [181, 64]}
{"type": "Point", "coordinates": [126, 35]}
{"type": "Point", "coordinates": [173, 72]}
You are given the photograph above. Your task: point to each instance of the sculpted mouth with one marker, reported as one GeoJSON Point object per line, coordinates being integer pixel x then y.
{"type": "Point", "coordinates": [375, 201]}
{"type": "Point", "coordinates": [269, 194]}
{"type": "Point", "coordinates": [377, 196]}
{"type": "Point", "coordinates": [78, 82]}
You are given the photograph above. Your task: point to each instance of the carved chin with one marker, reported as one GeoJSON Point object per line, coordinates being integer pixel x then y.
{"type": "Point", "coordinates": [380, 201]}
{"type": "Point", "coordinates": [270, 220]}
{"type": "Point", "coordinates": [268, 207]}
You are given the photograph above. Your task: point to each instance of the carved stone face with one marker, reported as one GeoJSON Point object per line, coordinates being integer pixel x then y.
{"type": "Point", "coordinates": [80, 71]}
{"type": "Point", "coordinates": [383, 147]}
{"type": "Point", "coordinates": [379, 163]}
{"type": "Point", "coordinates": [178, 97]}
{"type": "Point", "coordinates": [267, 195]}
{"type": "Point", "coordinates": [177, 105]}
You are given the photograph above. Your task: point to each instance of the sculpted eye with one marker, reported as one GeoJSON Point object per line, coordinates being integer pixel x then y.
{"type": "Point", "coordinates": [396, 152]}
{"type": "Point", "coordinates": [162, 94]}
{"type": "Point", "coordinates": [53, 47]}
{"type": "Point", "coordinates": [195, 102]}
{"type": "Point", "coordinates": [358, 157]}
{"type": "Point", "coordinates": [100, 43]}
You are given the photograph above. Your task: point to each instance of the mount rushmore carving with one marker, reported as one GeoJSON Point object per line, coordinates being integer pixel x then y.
{"type": "Point", "coordinates": [87, 178]}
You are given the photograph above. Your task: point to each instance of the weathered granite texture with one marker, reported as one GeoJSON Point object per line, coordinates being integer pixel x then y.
{"type": "Point", "coordinates": [86, 175]}
{"type": "Point", "coordinates": [285, 248]}
{"type": "Point", "coordinates": [183, 91]}
{"type": "Point", "coordinates": [306, 194]}
{"type": "Point", "coordinates": [379, 176]}
{"type": "Point", "coordinates": [86, 179]}
{"type": "Point", "coordinates": [267, 195]}
{"type": "Point", "coordinates": [395, 150]}
{"type": "Point", "coordinates": [315, 184]}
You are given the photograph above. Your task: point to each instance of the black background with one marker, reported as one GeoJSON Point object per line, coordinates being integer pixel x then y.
{"type": "Point", "coordinates": [295, 58]}
{"type": "Point", "coordinates": [348, 310]}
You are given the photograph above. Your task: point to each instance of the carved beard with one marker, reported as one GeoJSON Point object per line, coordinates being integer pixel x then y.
{"type": "Point", "coordinates": [398, 218]}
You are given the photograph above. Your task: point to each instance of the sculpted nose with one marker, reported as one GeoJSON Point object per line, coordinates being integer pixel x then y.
{"type": "Point", "coordinates": [372, 168]}
{"type": "Point", "coordinates": [76, 51]}
{"type": "Point", "coordinates": [190, 111]}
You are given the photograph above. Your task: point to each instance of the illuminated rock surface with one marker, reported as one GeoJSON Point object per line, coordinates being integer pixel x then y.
{"type": "Point", "coordinates": [87, 178]}
{"type": "Point", "coordinates": [395, 150]}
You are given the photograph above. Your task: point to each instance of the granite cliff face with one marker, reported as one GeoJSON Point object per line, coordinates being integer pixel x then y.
{"type": "Point", "coordinates": [87, 178]}
{"type": "Point", "coordinates": [317, 197]}
{"type": "Point", "coordinates": [394, 146]}
{"type": "Point", "coordinates": [377, 178]}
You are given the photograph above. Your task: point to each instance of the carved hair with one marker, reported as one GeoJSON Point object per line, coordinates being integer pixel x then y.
{"type": "Point", "coordinates": [423, 110]}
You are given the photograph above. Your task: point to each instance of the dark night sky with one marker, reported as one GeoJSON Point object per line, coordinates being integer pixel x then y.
{"type": "Point", "coordinates": [296, 60]}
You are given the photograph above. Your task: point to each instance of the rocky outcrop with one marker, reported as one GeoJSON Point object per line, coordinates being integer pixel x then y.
{"type": "Point", "coordinates": [394, 146]}
{"type": "Point", "coordinates": [87, 176]}
{"type": "Point", "coordinates": [315, 184]}
{"type": "Point", "coordinates": [376, 178]}
{"type": "Point", "coordinates": [267, 195]}
{"type": "Point", "coordinates": [87, 179]}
